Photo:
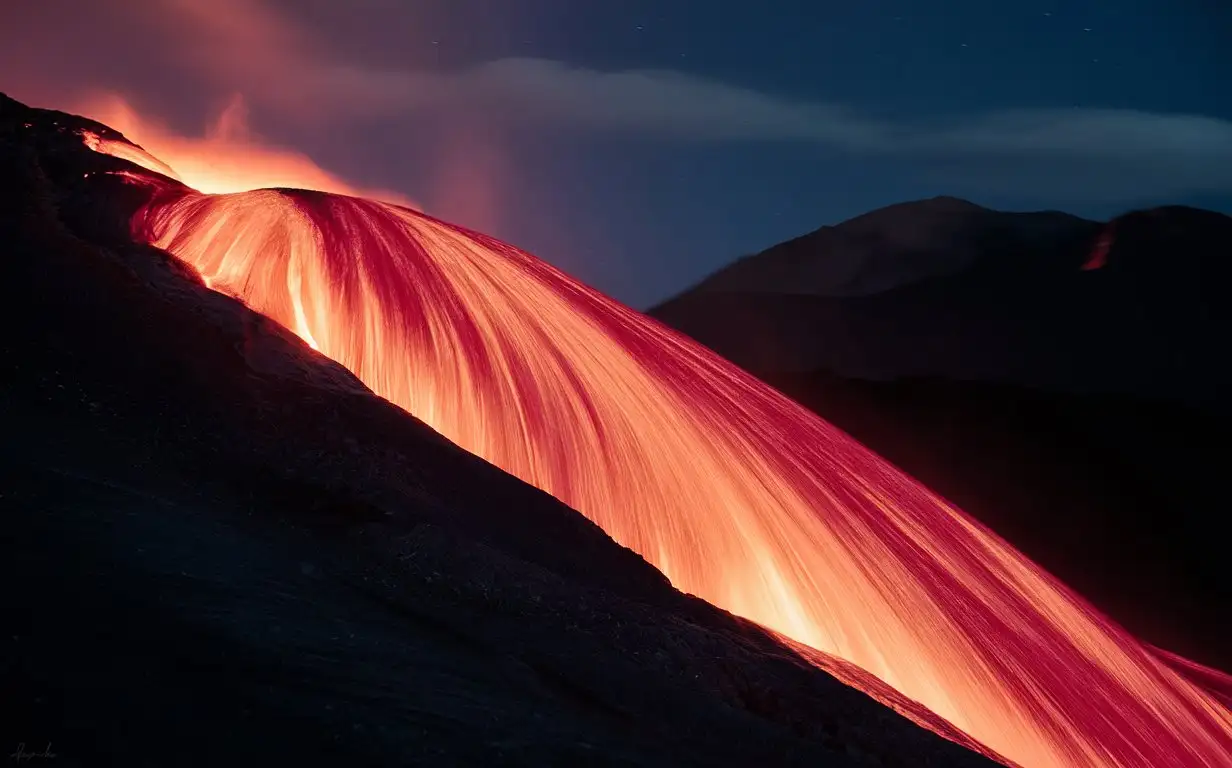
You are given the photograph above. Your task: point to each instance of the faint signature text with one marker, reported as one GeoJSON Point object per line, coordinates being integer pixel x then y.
{"type": "Point", "coordinates": [21, 754]}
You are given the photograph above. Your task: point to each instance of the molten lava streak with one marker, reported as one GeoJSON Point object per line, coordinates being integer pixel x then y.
{"type": "Point", "coordinates": [738, 494]}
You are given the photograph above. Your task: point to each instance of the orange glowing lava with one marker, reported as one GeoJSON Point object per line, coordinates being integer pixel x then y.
{"type": "Point", "coordinates": [735, 492]}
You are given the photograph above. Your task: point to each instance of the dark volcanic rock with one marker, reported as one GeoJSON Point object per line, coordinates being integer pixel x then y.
{"type": "Point", "coordinates": [222, 549]}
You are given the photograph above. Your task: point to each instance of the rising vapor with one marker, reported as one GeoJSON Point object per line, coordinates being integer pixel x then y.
{"type": "Point", "coordinates": [228, 157]}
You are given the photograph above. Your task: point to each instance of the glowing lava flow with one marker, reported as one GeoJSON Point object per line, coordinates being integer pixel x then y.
{"type": "Point", "coordinates": [738, 494]}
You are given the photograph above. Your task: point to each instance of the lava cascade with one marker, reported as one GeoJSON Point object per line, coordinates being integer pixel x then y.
{"type": "Point", "coordinates": [736, 493]}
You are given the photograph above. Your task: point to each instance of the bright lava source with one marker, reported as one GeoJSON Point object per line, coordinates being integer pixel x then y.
{"type": "Point", "coordinates": [736, 493]}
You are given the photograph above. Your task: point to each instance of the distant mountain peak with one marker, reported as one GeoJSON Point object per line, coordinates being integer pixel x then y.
{"type": "Point", "coordinates": [887, 248]}
{"type": "Point", "coordinates": [943, 287]}
{"type": "Point", "coordinates": [941, 204]}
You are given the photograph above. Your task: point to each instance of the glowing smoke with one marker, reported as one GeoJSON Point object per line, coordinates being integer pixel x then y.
{"type": "Point", "coordinates": [228, 157]}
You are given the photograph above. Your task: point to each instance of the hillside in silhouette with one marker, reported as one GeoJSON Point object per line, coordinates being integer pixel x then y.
{"type": "Point", "coordinates": [891, 247]}
{"type": "Point", "coordinates": [224, 548]}
{"type": "Point", "coordinates": [1055, 377]}
{"type": "Point", "coordinates": [943, 288]}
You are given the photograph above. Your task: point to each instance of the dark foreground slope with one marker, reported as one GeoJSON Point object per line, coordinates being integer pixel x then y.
{"type": "Point", "coordinates": [222, 549]}
{"type": "Point", "coordinates": [1077, 412]}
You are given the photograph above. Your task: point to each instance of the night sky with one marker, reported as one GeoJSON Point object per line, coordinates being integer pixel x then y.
{"type": "Point", "coordinates": [641, 144]}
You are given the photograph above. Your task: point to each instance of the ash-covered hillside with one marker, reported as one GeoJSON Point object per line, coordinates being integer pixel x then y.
{"type": "Point", "coordinates": [222, 549]}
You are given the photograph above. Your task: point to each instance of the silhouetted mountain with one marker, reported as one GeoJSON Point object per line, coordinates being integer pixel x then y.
{"type": "Point", "coordinates": [888, 248]}
{"type": "Point", "coordinates": [1011, 303]}
{"type": "Point", "coordinates": [1056, 378]}
{"type": "Point", "coordinates": [222, 548]}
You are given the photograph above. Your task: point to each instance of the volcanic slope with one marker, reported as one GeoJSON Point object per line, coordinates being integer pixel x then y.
{"type": "Point", "coordinates": [738, 494]}
{"type": "Point", "coordinates": [222, 548]}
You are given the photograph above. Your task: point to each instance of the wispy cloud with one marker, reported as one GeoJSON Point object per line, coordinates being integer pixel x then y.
{"type": "Point", "coordinates": [1071, 153]}
{"type": "Point", "coordinates": [280, 64]}
{"type": "Point", "coordinates": [1095, 151]}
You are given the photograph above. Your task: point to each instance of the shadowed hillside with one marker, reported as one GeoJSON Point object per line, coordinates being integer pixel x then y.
{"type": "Point", "coordinates": [224, 548]}
{"type": "Point", "coordinates": [987, 296]}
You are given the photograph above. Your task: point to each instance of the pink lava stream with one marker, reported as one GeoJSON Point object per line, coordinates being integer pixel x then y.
{"type": "Point", "coordinates": [736, 493]}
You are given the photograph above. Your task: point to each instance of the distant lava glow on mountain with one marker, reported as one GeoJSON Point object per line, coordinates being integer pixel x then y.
{"type": "Point", "coordinates": [735, 492]}
{"type": "Point", "coordinates": [1099, 254]}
